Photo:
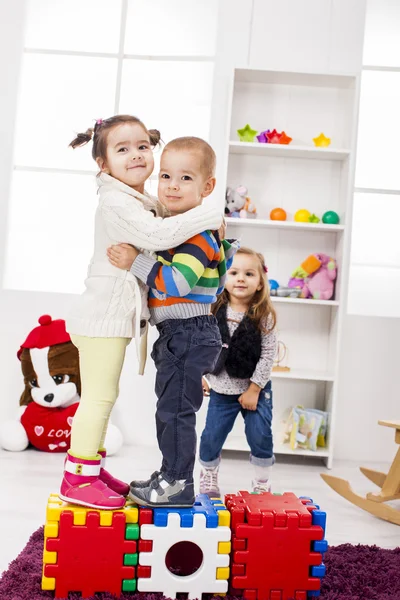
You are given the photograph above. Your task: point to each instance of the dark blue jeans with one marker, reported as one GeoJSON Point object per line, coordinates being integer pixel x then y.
{"type": "Point", "coordinates": [222, 412]}
{"type": "Point", "coordinates": [184, 352]}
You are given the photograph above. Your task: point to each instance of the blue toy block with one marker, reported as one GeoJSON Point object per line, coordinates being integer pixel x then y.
{"type": "Point", "coordinates": [203, 505]}
{"type": "Point", "coordinates": [318, 571]}
{"type": "Point", "coordinates": [319, 518]}
{"type": "Point", "coordinates": [320, 546]}
{"type": "Point", "coordinates": [314, 594]}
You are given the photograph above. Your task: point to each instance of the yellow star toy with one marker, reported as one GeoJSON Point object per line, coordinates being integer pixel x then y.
{"type": "Point", "coordinates": [321, 141]}
{"type": "Point", "coordinates": [247, 134]}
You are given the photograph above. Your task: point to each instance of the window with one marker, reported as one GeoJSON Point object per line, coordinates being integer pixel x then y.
{"type": "Point", "coordinates": [153, 59]}
{"type": "Point", "coordinates": [374, 283]}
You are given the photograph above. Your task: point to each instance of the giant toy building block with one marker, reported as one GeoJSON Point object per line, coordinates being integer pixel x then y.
{"type": "Point", "coordinates": [185, 550]}
{"type": "Point", "coordinates": [278, 545]}
{"type": "Point", "coordinates": [88, 550]}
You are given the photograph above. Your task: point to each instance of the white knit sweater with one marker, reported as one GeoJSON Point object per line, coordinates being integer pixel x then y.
{"type": "Point", "coordinates": [113, 297]}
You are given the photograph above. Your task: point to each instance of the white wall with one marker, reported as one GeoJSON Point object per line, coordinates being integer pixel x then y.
{"type": "Point", "coordinates": [369, 350]}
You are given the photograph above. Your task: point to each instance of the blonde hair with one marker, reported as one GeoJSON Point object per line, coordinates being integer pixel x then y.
{"type": "Point", "coordinates": [261, 309]}
{"type": "Point", "coordinates": [102, 128]}
{"type": "Point", "coordinates": [195, 144]}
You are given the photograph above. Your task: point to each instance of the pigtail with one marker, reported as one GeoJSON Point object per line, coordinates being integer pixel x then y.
{"type": "Point", "coordinates": [155, 137]}
{"type": "Point", "coordinates": [82, 139]}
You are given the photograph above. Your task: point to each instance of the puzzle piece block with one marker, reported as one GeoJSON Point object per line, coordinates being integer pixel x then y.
{"type": "Point", "coordinates": [213, 509]}
{"type": "Point", "coordinates": [209, 545]}
{"type": "Point", "coordinates": [89, 550]}
{"type": "Point", "coordinates": [277, 546]}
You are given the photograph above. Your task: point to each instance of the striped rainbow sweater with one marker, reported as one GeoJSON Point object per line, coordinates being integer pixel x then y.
{"type": "Point", "coordinates": [186, 280]}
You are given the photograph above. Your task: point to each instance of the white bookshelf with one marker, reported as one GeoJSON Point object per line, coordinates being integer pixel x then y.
{"type": "Point", "coordinates": [296, 176]}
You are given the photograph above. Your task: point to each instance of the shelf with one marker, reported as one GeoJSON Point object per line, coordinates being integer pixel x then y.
{"type": "Point", "coordinates": [326, 80]}
{"type": "Point", "coordinates": [240, 443]}
{"type": "Point", "coordinates": [304, 301]}
{"type": "Point", "coordinates": [303, 374]}
{"type": "Point", "coordinates": [283, 225]}
{"type": "Point", "coordinates": [288, 151]}
{"type": "Point", "coordinates": [286, 449]}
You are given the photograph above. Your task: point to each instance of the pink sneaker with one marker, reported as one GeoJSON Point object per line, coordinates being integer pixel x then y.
{"type": "Point", "coordinates": [116, 485]}
{"type": "Point", "coordinates": [81, 485]}
{"type": "Point", "coordinates": [209, 482]}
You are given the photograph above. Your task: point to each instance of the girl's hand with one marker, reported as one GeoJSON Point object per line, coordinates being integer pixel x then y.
{"type": "Point", "coordinates": [222, 230]}
{"type": "Point", "coordinates": [206, 387]}
{"type": "Point", "coordinates": [249, 399]}
{"type": "Point", "coordinates": [122, 256]}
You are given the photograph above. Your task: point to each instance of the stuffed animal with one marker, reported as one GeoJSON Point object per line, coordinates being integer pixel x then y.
{"type": "Point", "coordinates": [318, 272]}
{"type": "Point", "coordinates": [238, 204]}
{"type": "Point", "coordinates": [50, 367]}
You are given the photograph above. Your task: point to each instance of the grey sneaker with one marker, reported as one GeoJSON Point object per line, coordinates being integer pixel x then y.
{"type": "Point", "coordinates": [163, 493]}
{"type": "Point", "coordinates": [142, 483]}
{"type": "Point", "coordinates": [261, 485]}
{"type": "Point", "coordinates": [209, 482]}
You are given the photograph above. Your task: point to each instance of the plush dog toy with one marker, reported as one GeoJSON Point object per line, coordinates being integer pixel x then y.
{"type": "Point", "coordinates": [238, 204]}
{"type": "Point", "coordinates": [50, 367]}
{"type": "Point", "coordinates": [318, 273]}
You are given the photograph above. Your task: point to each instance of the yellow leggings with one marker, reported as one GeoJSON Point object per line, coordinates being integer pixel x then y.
{"type": "Point", "coordinates": [101, 361]}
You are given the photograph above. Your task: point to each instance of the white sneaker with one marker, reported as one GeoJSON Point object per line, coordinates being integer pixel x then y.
{"type": "Point", "coordinates": [261, 485]}
{"type": "Point", "coordinates": [209, 482]}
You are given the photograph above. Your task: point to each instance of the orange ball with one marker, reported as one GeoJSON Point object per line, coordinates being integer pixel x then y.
{"type": "Point", "coordinates": [278, 214]}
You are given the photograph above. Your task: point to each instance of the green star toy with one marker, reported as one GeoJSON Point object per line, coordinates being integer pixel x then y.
{"type": "Point", "coordinates": [247, 134]}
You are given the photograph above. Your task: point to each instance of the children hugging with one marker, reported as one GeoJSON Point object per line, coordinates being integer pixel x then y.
{"type": "Point", "coordinates": [159, 260]}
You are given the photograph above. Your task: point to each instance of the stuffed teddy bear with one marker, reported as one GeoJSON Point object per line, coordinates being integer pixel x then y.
{"type": "Point", "coordinates": [238, 204]}
{"type": "Point", "coordinates": [318, 273]}
{"type": "Point", "coordinates": [50, 367]}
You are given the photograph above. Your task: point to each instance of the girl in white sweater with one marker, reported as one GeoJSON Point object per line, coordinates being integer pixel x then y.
{"type": "Point", "coordinates": [113, 307]}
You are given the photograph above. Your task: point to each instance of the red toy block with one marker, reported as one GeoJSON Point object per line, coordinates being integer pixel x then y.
{"type": "Point", "coordinates": [90, 557]}
{"type": "Point", "coordinates": [274, 534]}
{"type": "Point", "coordinates": [145, 545]}
{"type": "Point", "coordinates": [145, 516]}
{"type": "Point", "coordinates": [143, 572]}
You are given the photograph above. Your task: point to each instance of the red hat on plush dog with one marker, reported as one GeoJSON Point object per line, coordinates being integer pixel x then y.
{"type": "Point", "coordinates": [49, 333]}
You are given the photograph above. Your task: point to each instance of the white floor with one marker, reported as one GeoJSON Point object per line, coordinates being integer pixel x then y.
{"type": "Point", "coordinates": [28, 477]}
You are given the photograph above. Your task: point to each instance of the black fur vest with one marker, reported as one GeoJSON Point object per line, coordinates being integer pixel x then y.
{"type": "Point", "coordinates": [241, 352]}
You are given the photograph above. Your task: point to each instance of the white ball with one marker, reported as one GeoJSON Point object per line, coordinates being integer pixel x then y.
{"type": "Point", "coordinates": [114, 440]}
{"type": "Point", "coordinates": [13, 436]}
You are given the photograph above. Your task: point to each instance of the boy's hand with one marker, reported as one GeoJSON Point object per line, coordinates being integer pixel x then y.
{"type": "Point", "coordinates": [249, 399]}
{"type": "Point", "coordinates": [122, 256]}
{"type": "Point", "coordinates": [206, 387]}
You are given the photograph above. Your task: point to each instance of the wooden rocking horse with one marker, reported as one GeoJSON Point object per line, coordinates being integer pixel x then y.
{"type": "Point", "coordinates": [389, 484]}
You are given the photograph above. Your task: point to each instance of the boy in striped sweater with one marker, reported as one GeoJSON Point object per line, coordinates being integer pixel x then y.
{"type": "Point", "coordinates": [183, 283]}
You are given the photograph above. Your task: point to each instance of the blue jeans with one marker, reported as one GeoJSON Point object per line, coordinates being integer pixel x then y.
{"type": "Point", "coordinates": [185, 350]}
{"type": "Point", "coordinates": [222, 412]}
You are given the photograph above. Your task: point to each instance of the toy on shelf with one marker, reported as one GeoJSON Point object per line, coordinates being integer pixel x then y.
{"type": "Point", "coordinates": [314, 219]}
{"type": "Point", "coordinates": [278, 214]}
{"type": "Point", "coordinates": [284, 139]}
{"type": "Point", "coordinates": [319, 273]}
{"type": "Point", "coordinates": [306, 427]}
{"type": "Point", "coordinates": [246, 134]}
{"type": "Point", "coordinates": [331, 218]}
{"type": "Point", "coordinates": [389, 484]}
{"type": "Point", "coordinates": [281, 354]}
{"type": "Point", "coordinates": [273, 136]}
{"type": "Point", "coordinates": [322, 141]}
{"type": "Point", "coordinates": [273, 286]}
{"type": "Point", "coordinates": [238, 204]}
{"type": "Point", "coordinates": [50, 367]}
{"type": "Point", "coordinates": [283, 292]}
{"type": "Point", "coordinates": [262, 136]}
{"type": "Point", "coordinates": [187, 550]}
{"type": "Point", "coordinates": [302, 216]}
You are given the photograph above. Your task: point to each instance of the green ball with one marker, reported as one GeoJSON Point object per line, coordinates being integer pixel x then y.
{"type": "Point", "coordinates": [330, 218]}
